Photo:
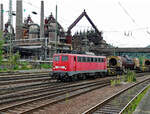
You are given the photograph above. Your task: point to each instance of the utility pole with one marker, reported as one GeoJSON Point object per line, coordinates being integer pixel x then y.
{"type": "Point", "coordinates": [56, 30]}
{"type": "Point", "coordinates": [10, 12]}
{"type": "Point", "coordinates": [1, 17]}
{"type": "Point", "coordinates": [10, 23]}
{"type": "Point", "coordinates": [10, 29]}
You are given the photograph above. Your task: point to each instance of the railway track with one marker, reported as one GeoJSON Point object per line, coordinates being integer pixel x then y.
{"type": "Point", "coordinates": [20, 73]}
{"type": "Point", "coordinates": [27, 97]}
{"type": "Point", "coordinates": [12, 83]}
{"type": "Point", "coordinates": [117, 103]}
{"type": "Point", "coordinates": [37, 88]}
{"type": "Point", "coordinates": [22, 76]}
{"type": "Point", "coordinates": [41, 98]}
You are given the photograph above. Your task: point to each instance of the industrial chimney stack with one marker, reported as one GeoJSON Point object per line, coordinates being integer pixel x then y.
{"type": "Point", "coordinates": [42, 20]}
{"type": "Point", "coordinates": [19, 23]}
{"type": "Point", "coordinates": [1, 17]}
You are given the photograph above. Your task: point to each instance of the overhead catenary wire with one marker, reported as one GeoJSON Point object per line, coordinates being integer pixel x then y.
{"type": "Point", "coordinates": [133, 20]}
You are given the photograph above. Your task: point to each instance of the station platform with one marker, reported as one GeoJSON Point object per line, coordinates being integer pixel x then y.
{"type": "Point", "coordinates": [144, 106]}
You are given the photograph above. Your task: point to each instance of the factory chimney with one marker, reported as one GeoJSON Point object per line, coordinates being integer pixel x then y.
{"type": "Point", "coordinates": [19, 16]}
{"type": "Point", "coordinates": [42, 20]}
{"type": "Point", "coordinates": [1, 17]}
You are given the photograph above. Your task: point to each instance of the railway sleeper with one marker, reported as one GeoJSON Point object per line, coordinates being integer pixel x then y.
{"type": "Point", "coordinates": [109, 111]}
{"type": "Point", "coordinates": [111, 108]}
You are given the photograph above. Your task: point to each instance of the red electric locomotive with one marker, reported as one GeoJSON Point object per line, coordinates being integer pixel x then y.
{"type": "Point", "coordinates": [77, 66]}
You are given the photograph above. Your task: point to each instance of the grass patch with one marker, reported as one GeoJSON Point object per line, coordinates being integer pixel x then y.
{"type": "Point", "coordinates": [46, 66]}
{"type": "Point", "coordinates": [131, 108]}
{"type": "Point", "coordinates": [130, 77]}
{"type": "Point", "coordinates": [116, 81]}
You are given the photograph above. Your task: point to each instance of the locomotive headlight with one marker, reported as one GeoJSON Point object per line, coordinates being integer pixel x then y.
{"type": "Point", "coordinates": [56, 66]}
{"type": "Point", "coordinates": [62, 67]}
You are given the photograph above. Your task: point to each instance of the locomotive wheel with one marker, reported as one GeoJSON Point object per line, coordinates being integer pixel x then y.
{"type": "Point", "coordinates": [101, 74]}
{"type": "Point", "coordinates": [68, 79]}
{"type": "Point", "coordinates": [62, 80]}
{"type": "Point", "coordinates": [84, 77]}
{"type": "Point", "coordinates": [74, 78]}
{"type": "Point", "coordinates": [94, 76]}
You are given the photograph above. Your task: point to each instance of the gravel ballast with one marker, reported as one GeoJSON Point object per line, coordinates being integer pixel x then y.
{"type": "Point", "coordinates": [83, 102]}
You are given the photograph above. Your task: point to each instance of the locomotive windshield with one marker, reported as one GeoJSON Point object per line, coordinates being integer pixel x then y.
{"type": "Point", "coordinates": [56, 58]}
{"type": "Point", "coordinates": [64, 58]}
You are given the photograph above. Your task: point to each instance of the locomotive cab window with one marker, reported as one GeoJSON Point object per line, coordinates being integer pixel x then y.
{"type": "Point", "coordinates": [56, 58]}
{"type": "Point", "coordinates": [64, 58]}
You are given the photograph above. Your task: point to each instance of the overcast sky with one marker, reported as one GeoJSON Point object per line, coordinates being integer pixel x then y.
{"type": "Point", "coordinates": [125, 23]}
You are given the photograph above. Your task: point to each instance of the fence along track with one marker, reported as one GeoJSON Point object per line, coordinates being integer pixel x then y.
{"type": "Point", "coordinates": [117, 102]}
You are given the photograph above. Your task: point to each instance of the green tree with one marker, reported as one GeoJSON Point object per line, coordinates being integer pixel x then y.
{"type": "Point", "coordinates": [14, 61]}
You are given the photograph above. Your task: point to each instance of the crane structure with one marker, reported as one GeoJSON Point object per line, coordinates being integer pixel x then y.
{"type": "Point", "coordinates": [90, 21]}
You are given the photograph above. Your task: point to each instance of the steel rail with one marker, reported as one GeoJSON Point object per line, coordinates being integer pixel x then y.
{"type": "Point", "coordinates": [126, 107]}
{"type": "Point", "coordinates": [50, 88]}
{"type": "Point", "coordinates": [21, 74]}
{"type": "Point", "coordinates": [69, 90]}
{"type": "Point", "coordinates": [106, 101]}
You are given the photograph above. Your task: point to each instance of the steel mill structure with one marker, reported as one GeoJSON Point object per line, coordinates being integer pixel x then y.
{"type": "Point", "coordinates": [36, 41]}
